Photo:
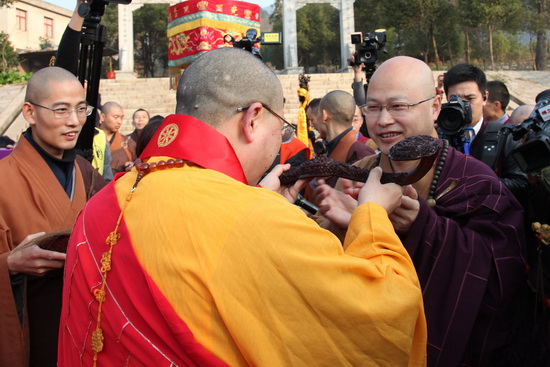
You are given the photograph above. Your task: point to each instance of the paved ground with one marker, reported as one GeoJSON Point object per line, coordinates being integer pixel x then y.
{"type": "Point", "coordinates": [524, 85]}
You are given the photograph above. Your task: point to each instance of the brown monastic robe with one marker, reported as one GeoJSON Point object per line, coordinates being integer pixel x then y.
{"type": "Point", "coordinates": [31, 200]}
{"type": "Point", "coordinates": [120, 153]}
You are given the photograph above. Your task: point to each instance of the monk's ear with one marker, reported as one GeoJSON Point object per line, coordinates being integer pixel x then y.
{"type": "Point", "coordinates": [250, 121]}
{"type": "Point", "coordinates": [324, 113]}
{"type": "Point", "coordinates": [436, 107]}
{"type": "Point", "coordinates": [29, 113]}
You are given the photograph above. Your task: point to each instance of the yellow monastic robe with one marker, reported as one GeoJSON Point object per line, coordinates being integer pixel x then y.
{"type": "Point", "coordinates": [259, 283]}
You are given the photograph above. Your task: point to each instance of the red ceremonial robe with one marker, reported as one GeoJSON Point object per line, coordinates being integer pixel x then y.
{"type": "Point", "coordinates": [144, 329]}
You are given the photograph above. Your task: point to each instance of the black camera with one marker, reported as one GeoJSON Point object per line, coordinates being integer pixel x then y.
{"type": "Point", "coordinates": [534, 153]}
{"type": "Point", "coordinates": [455, 115]}
{"type": "Point", "coordinates": [247, 42]}
{"type": "Point", "coordinates": [370, 44]}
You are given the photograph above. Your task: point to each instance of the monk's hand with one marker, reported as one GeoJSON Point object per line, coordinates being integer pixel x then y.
{"type": "Point", "coordinates": [388, 195]}
{"type": "Point", "coordinates": [404, 216]}
{"type": "Point", "coordinates": [352, 188]}
{"type": "Point", "coordinates": [334, 205]}
{"type": "Point", "coordinates": [128, 166]}
{"type": "Point", "coordinates": [33, 260]}
{"type": "Point", "coordinates": [271, 181]}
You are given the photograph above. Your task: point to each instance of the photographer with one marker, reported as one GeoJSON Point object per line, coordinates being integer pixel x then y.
{"type": "Point", "coordinates": [469, 83]}
{"type": "Point", "coordinates": [358, 85]}
{"type": "Point", "coordinates": [364, 60]}
{"type": "Point", "coordinates": [530, 129]}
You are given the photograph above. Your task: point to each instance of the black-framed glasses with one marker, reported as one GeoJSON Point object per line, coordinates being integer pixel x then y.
{"type": "Point", "coordinates": [64, 112]}
{"type": "Point", "coordinates": [286, 123]}
{"type": "Point", "coordinates": [396, 109]}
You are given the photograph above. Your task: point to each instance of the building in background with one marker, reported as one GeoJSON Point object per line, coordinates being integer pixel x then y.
{"type": "Point", "coordinates": [31, 22]}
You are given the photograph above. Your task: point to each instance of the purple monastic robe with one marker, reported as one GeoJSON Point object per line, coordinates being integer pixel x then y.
{"type": "Point", "coordinates": [468, 252]}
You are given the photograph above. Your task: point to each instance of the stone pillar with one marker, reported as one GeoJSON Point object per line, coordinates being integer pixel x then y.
{"type": "Point", "coordinates": [347, 27]}
{"type": "Point", "coordinates": [290, 40]}
{"type": "Point", "coordinates": [126, 41]}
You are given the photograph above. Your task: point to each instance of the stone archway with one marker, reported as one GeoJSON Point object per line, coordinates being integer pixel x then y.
{"type": "Point", "coordinates": [290, 40]}
{"type": "Point", "coordinates": [126, 35]}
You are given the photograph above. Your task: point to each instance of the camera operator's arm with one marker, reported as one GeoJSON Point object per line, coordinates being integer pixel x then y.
{"type": "Point", "coordinates": [68, 50]}
{"type": "Point", "coordinates": [357, 85]}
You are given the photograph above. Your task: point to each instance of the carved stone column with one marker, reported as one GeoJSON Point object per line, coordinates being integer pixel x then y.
{"type": "Point", "coordinates": [126, 41]}
{"type": "Point", "coordinates": [347, 27]}
{"type": "Point", "coordinates": [290, 40]}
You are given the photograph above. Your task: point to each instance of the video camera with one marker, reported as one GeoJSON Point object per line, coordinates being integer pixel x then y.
{"type": "Point", "coordinates": [370, 44]}
{"type": "Point", "coordinates": [247, 42]}
{"type": "Point", "coordinates": [534, 153]}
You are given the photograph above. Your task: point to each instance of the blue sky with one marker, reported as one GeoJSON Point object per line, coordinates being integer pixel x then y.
{"type": "Point", "coordinates": [70, 4]}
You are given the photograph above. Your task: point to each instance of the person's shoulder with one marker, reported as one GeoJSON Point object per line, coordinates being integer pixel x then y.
{"type": "Point", "coordinates": [363, 149]}
{"type": "Point", "coordinates": [468, 164]}
{"type": "Point", "coordinates": [471, 173]}
{"type": "Point", "coordinates": [93, 181]}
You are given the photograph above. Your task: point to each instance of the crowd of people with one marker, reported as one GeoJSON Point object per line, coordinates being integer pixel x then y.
{"type": "Point", "coordinates": [185, 249]}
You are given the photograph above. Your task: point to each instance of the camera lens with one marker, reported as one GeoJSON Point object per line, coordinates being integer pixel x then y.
{"type": "Point", "coordinates": [451, 121]}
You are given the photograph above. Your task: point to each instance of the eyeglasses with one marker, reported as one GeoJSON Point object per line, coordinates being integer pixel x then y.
{"type": "Point", "coordinates": [286, 123]}
{"type": "Point", "coordinates": [64, 112]}
{"type": "Point", "coordinates": [396, 109]}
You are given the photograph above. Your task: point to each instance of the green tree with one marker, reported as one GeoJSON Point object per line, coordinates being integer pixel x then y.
{"type": "Point", "coordinates": [6, 3]}
{"type": "Point", "coordinates": [151, 43]}
{"type": "Point", "coordinates": [494, 14]}
{"type": "Point", "coordinates": [537, 20]}
{"type": "Point", "coordinates": [110, 21]}
{"type": "Point", "coordinates": [273, 54]}
{"type": "Point", "coordinates": [318, 33]}
{"type": "Point", "coordinates": [45, 43]}
{"type": "Point", "coordinates": [9, 58]}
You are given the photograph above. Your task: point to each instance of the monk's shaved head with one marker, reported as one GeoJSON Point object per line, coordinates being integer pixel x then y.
{"type": "Point", "coordinates": [108, 106]}
{"type": "Point", "coordinates": [340, 107]}
{"type": "Point", "coordinates": [39, 87]}
{"type": "Point", "coordinates": [409, 73]}
{"type": "Point", "coordinates": [221, 80]}
{"type": "Point", "coordinates": [401, 80]}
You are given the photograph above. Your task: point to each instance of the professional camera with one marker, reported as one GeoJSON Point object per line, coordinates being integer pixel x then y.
{"type": "Point", "coordinates": [534, 154]}
{"type": "Point", "coordinates": [247, 42]}
{"type": "Point", "coordinates": [370, 44]}
{"type": "Point", "coordinates": [455, 115]}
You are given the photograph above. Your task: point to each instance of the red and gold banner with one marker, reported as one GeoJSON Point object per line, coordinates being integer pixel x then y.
{"type": "Point", "coordinates": [198, 26]}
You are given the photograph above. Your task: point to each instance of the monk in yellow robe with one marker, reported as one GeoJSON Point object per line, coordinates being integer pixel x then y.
{"type": "Point", "coordinates": [185, 260]}
{"type": "Point", "coordinates": [43, 187]}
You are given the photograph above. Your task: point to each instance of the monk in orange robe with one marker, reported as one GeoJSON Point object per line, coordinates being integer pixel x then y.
{"type": "Point", "coordinates": [111, 118]}
{"type": "Point", "coordinates": [43, 187]}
